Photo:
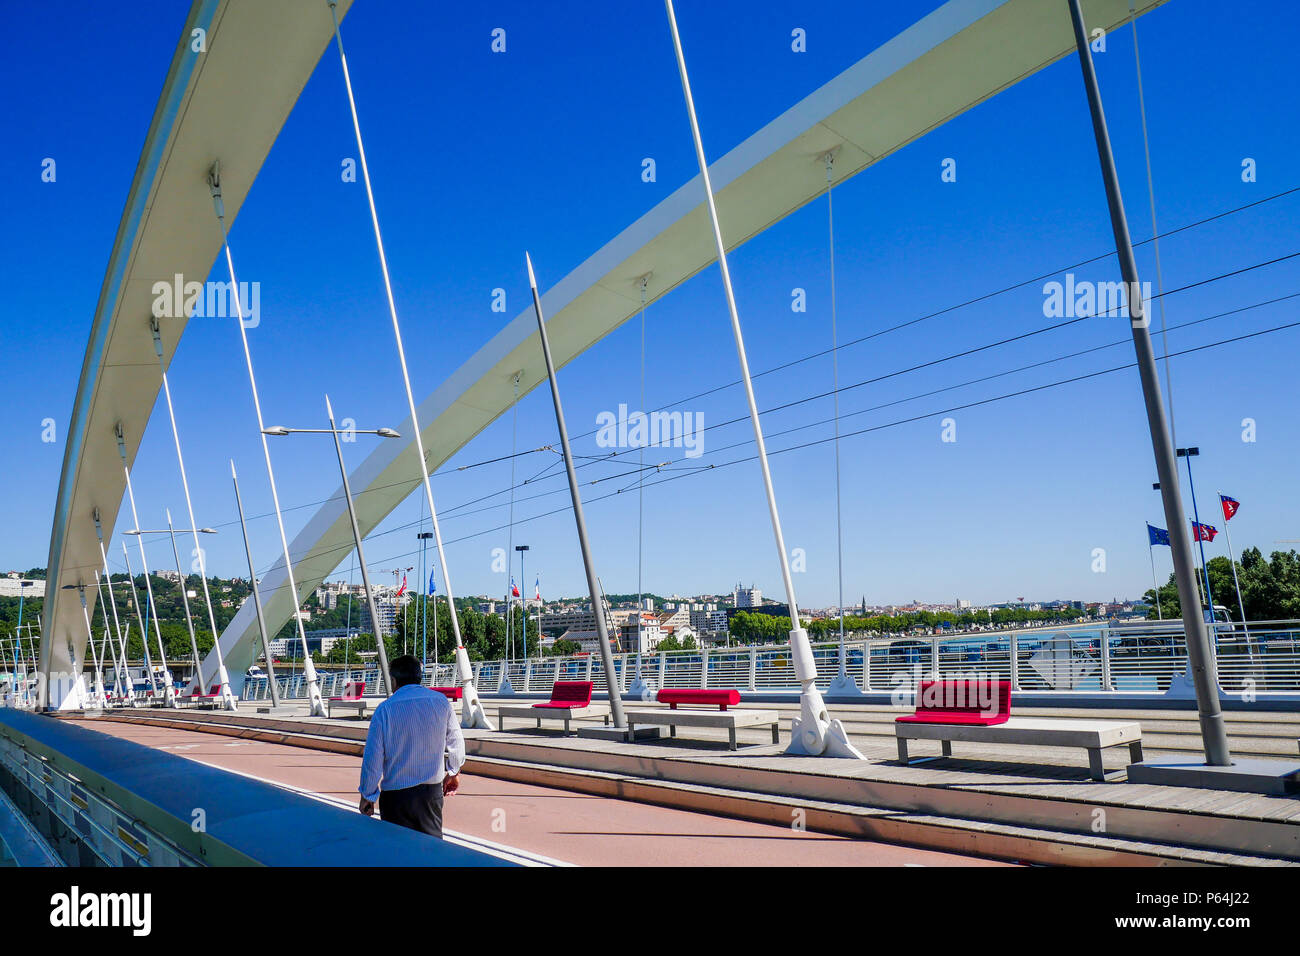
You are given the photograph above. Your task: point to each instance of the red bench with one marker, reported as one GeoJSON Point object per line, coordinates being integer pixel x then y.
{"type": "Point", "coordinates": [961, 702]}
{"type": "Point", "coordinates": [193, 697]}
{"type": "Point", "coordinates": [972, 711]}
{"type": "Point", "coordinates": [451, 693]}
{"type": "Point", "coordinates": [672, 696]}
{"type": "Point", "coordinates": [567, 696]}
{"type": "Point", "coordinates": [352, 699]}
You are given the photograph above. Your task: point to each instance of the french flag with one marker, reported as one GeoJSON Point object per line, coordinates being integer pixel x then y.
{"type": "Point", "coordinates": [514, 591]}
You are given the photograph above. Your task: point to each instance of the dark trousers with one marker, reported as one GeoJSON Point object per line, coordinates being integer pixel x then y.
{"type": "Point", "coordinates": [416, 808]}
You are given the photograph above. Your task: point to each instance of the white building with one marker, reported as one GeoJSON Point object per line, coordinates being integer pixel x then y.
{"type": "Point", "coordinates": [11, 585]}
{"type": "Point", "coordinates": [747, 597]}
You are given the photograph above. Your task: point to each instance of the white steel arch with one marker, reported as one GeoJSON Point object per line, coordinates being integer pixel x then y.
{"type": "Point", "coordinates": [237, 70]}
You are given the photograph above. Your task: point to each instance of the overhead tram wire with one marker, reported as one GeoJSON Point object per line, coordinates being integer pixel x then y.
{"type": "Point", "coordinates": [892, 424]}
{"type": "Point", "coordinates": [968, 302]}
{"type": "Point", "coordinates": [794, 362]}
{"type": "Point", "coordinates": [456, 511]}
{"type": "Point", "coordinates": [695, 470]}
{"type": "Point", "coordinates": [976, 300]}
{"type": "Point", "coordinates": [961, 354]}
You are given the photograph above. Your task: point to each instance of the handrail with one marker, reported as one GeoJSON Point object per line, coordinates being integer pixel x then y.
{"type": "Point", "coordinates": [1143, 657]}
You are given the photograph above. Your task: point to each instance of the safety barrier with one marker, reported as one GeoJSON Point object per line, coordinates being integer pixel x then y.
{"type": "Point", "coordinates": [1261, 658]}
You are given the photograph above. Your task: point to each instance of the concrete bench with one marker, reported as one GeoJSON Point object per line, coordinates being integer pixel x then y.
{"type": "Point", "coordinates": [569, 699]}
{"type": "Point", "coordinates": [730, 719]}
{"type": "Point", "coordinates": [352, 699]}
{"type": "Point", "coordinates": [1092, 735]}
{"type": "Point", "coordinates": [566, 714]}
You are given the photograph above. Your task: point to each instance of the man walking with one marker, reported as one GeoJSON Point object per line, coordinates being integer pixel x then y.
{"type": "Point", "coordinates": [414, 751]}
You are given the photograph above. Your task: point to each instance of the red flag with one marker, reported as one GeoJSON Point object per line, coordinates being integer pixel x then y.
{"type": "Point", "coordinates": [514, 591]}
{"type": "Point", "coordinates": [1230, 506]}
{"type": "Point", "coordinates": [402, 589]}
{"type": "Point", "coordinates": [1204, 532]}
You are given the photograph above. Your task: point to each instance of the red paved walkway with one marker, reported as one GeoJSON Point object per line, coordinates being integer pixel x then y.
{"type": "Point", "coordinates": [571, 827]}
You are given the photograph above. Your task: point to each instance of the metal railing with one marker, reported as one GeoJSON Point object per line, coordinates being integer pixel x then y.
{"type": "Point", "coordinates": [113, 835]}
{"type": "Point", "coordinates": [1261, 658]}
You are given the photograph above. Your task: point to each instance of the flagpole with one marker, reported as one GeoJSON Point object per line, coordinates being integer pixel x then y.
{"type": "Point", "coordinates": [1241, 605]}
{"type": "Point", "coordinates": [1154, 580]}
{"type": "Point", "coordinates": [1200, 541]}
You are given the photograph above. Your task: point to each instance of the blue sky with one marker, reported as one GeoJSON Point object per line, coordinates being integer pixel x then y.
{"type": "Point", "coordinates": [477, 156]}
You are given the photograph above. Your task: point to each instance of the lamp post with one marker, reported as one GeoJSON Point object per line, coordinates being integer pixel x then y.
{"type": "Point", "coordinates": [185, 597]}
{"type": "Point", "coordinates": [279, 431]}
{"type": "Point", "coordinates": [423, 538]}
{"type": "Point", "coordinates": [1188, 454]}
{"type": "Point", "coordinates": [506, 686]}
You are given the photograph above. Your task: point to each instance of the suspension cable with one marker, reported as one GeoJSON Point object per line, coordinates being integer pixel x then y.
{"type": "Point", "coordinates": [1155, 229]}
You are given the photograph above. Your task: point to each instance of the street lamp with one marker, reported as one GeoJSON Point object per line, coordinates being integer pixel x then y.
{"type": "Point", "coordinates": [423, 537]}
{"type": "Point", "coordinates": [280, 431]}
{"type": "Point", "coordinates": [1189, 454]}
{"type": "Point", "coordinates": [506, 687]}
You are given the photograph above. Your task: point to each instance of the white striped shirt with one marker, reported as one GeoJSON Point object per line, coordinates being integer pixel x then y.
{"type": "Point", "coordinates": [414, 738]}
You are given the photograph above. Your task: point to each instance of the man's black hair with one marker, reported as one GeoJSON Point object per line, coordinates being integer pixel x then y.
{"type": "Point", "coordinates": [405, 670]}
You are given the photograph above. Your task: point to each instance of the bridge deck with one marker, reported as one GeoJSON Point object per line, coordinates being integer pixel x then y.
{"type": "Point", "coordinates": [562, 825]}
{"type": "Point", "coordinates": [986, 798]}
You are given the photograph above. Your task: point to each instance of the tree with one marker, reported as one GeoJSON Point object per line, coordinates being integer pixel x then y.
{"type": "Point", "coordinates": [565, 647]}
{"type": "Point", "coordinates": [1270, 589]}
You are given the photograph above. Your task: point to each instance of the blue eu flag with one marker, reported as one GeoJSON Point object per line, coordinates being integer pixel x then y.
{"type": "Point", "coordinates": [1158, 535]}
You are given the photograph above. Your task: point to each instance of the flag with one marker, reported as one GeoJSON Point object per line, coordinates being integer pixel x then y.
{"type": "Point", "coordinates": [537, 589]}
{"type": "Point", "coordinates": [1158, 535]}
{"type": "Point", "coordinates": [402, 589]}
{"type": "Point", "coordinates": [514, 591]}
{"type": "Point", "coordinates": [1230, 506]}
{"type": "Point", "coordinates": [1204, 532]}
{"type": "Point", "coordinates": [433, 585]}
